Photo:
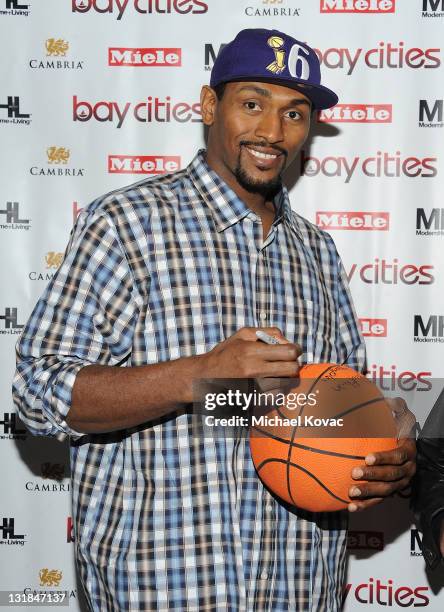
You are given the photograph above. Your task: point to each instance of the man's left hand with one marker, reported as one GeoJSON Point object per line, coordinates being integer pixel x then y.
{"type": "Point", "coordinates": [387, 472]}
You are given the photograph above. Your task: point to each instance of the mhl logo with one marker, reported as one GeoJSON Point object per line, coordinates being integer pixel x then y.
{"type": "Point", "coordinates": [10, 319]}
{"type": "Point", "coordinates": [14, 5]}
{"type": "Point", "coordinates": [13, 107]}
{"type": "Point", "coordinates": [432, 5]}
{"type": "Point", "coordinates": [415, 543]}
{"type": "Point", "coordinates": [12, 213]}
{"type": "Point", "coordinates": [10, 425]}
{"type": "Point", "coordinates": [430, 330]}
{"type": "Point", "coordinates": [431, 116]}
{"type": "Point", "coordinates": [430, 224]}
{"type": "Point", "coordinates": [210, 55]}
{"type": "Point", "coordinates": [8, 530]}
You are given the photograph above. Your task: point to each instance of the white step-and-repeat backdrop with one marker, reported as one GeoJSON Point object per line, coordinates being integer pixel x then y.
{"type": "Point", "coordinates": [94, 94]}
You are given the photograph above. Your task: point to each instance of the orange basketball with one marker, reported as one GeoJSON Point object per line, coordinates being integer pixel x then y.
{"type": "Point", "coordinates": [304, 451]}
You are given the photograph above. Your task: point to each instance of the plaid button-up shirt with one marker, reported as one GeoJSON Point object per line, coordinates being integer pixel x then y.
{"type": "Point", "coordinates": [167, 519]}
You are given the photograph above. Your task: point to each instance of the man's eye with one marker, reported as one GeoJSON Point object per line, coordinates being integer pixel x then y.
{"type": "Point", "coordinates": [294, 114]}
{"type": "Point", "coordinates": [251, 105]}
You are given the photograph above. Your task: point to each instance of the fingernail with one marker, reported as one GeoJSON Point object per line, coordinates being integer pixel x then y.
{"type": "Point", "coordinates": [370, 459]}
{"type": "Point", "coordinates": [357, 473]}
{"type": "Point", "coordinates": [355, 492]}
{"type": "Point", "coordinates": [352, 507]}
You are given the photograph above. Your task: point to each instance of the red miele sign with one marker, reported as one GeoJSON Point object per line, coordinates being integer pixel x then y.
{"type": "Point", "coordinates": [148, 56]}
{"type": "Point", "coordinates": [357, 6]}
{"type": "Point", "coordinates": [373, 327]}
{"type": "Point", "coordinates": [143, 164]}
{"type": "Point", "coordinates": [352, 220]}
{"type": "Point", "coordinates": [357, 113]}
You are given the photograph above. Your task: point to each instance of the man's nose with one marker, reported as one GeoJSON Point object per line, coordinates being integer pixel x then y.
{"type": "Point", "coordinates": [270, 128]}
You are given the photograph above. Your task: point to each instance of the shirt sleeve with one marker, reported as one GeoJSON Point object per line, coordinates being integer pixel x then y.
{"type": "Point", "coordinates": [85, 316]}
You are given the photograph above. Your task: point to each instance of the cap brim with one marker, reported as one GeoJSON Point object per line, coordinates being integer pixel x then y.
{"type": "Point", "coordinates": [321, 97]}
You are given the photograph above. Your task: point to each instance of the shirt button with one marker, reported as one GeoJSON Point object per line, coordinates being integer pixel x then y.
{"type": "Point", "coordinates": [264, 576]}
{"type": "Point", "coordinates": [262, 315]}
{"type": "Point", "coordinates": [269, 508]}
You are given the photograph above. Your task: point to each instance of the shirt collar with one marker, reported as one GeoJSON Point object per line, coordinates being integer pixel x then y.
{"type": "Point", "coordinates": [226, 207]}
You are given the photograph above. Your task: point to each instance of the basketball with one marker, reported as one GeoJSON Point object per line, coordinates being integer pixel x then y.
{"type": "Point", "coordinates": [305, 449]}
{"type": "Point", "coordinates": [275, 42]}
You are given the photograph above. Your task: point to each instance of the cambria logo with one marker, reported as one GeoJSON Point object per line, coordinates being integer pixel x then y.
{"type": "Point", "coordinates": [269, 9]}
{"type": "Point", "coordinates": [56, 48]}
{"type": "Point", "coordinates": [57, 156]}
{"type": "Point", "coordinates": [53, 261]}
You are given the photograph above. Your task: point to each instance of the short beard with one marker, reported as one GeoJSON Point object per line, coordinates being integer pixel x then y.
{"type": "Point", "coordinates": [266, 189]}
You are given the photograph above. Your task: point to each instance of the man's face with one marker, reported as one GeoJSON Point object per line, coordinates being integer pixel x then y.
{"type": "Point", "coordinates": [257, 129]}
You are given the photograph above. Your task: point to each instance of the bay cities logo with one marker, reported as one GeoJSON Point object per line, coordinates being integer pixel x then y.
{"type": "Point", "coordinates": [429, 329]}
{"type": "Point", "coordinates": [148, 110]}
{"type": "Point", "coordinates": [10, 217]}
{"type": "Point", "coordinates": [8, 321]}
{"type": "Point", "coordinates": [376, 328]}
{"type": "Point", "coordinates": [15, 7]}
{"type": "Point", "coordinates": [54, 472]}
{"type": "Point", "coordinates": [357, 6]}
{"type": "Point", "coordinates": [348, 220]}
{"type": "Point", "coordinates": [385, 55]}
{"type": "Point", "coordinates": [53, 261]}
{"type": "Point", "coordinates": [433, 8]}
{"type": "Point", "coordinates": [431, 115]}
{"type": "Point", "coordinates": [143, 7]}
{"type": "Point", "coordinates": [9, 533]}
{"type": "Point", "coordinates": [57, 51]}
{"type": "Point", "coordinates": [385, 272]}
{"type": "Point", "coordinates": [57, 164]}
{"type": "Point", "coordinates": [387, 593]}
{"type": "Point", "coordinates": [143, 164]}
{"type": "Point", "coordinates": [382, 164]}
{"type": "Point", "coordinates": [272, 8]}
{"type": "Point", "coordinates": [11, 108]}
{"type": "Point", "coordinates": [12, 429]}
{"type": "Point", "coordinates": [357, 113]}
{"type": "Point", "coordinates": [148, 56]}
{"type": "Point", "coordinates": [430, 223]}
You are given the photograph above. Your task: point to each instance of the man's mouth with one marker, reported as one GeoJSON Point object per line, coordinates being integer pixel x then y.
{"type": "Point", "coordinates": [265, 157]}
{"type": "Point", "coordinates": [262, 155]}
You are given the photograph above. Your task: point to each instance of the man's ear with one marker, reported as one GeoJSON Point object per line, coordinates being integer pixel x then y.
{"type": "Point", "coordinates": [208, 104]}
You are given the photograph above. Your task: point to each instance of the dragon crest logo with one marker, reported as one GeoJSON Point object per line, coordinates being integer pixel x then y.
{"type": "Point", "coordinates": [53, 260]}
{"type": "Point", "coordinates": [56, 47]}
{"type": "Point", "coordinates": [57, 155]}
{"type": "Point", "coordinates": [50, 578]}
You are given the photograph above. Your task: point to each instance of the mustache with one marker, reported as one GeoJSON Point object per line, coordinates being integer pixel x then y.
{"type": "Point", "coordinates": [251, 143]}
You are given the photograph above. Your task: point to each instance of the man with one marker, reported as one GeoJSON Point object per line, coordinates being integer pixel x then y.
{"type": "Point", "coordinates": [165, 282]}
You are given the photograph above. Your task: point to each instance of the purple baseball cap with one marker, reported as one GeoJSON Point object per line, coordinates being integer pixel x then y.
{"type": "Point", "coordinates": [273, 57]}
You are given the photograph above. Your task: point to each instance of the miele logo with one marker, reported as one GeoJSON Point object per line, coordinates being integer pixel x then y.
{"type": "Point", "coordinates": [148, 56]}
{"type": "Point", "coordinates": [357, 6]}
{"type": "Point", "coordinates": [373, 327]}
{"type": "Point", "coordinates": [352, 220]}
{"type": "Point", "coordinates": [357, 113]}
{"type": "Point", "coordinates": [143, 164]}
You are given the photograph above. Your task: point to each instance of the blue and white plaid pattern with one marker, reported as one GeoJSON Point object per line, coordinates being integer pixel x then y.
{"type": "Point", "coordinates": [165, 518]}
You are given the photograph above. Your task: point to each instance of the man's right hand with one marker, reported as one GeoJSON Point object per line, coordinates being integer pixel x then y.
{"type": "Point", "coordinates": [242, 355]}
